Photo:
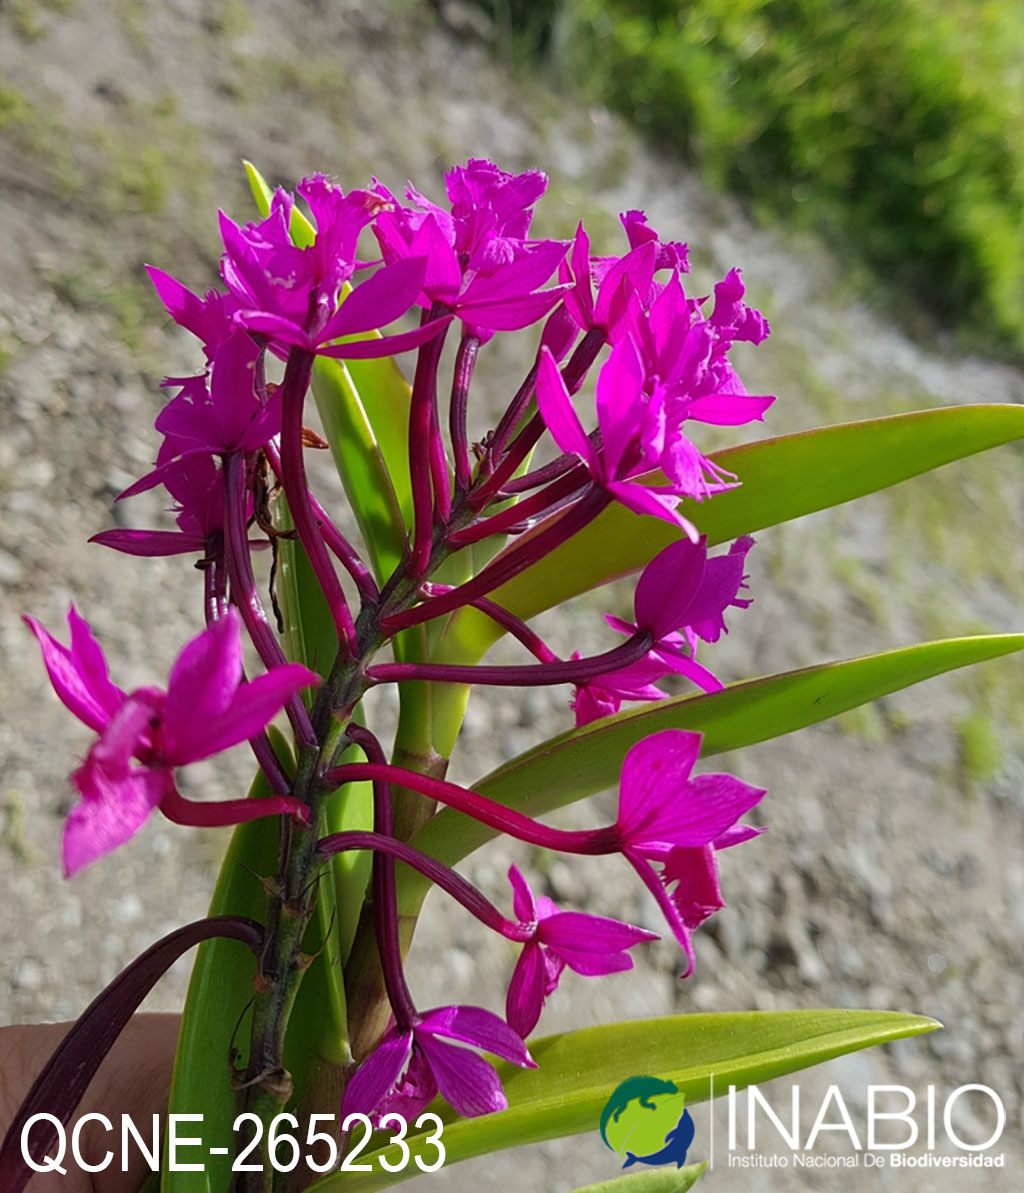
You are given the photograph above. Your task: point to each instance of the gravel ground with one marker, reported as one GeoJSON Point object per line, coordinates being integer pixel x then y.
{"type": "Point", "coordinates": [893, 874]}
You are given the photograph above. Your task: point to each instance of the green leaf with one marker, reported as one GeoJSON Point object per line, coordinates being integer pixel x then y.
{"type": "Point", "coordinates": [782, 479]}
{"type": "Point", "coordinates": [360, 461]}
{"type": "Point", "coordinates": [386, 395]}
{"type": "Point", "coordinates": [308, 627]}
{"type": "Point", "coordinates": [662, 1180]}
{"type": "Point", "coordinates": [302, 231]}
{"type": "Point", "coordinates": [318, 1025]}
{"type": "Point", "coordinates": [583, 761]}
{"type": "Point", "coordinates": [219, 991]}
{"type": "Point", "coordinates": [578, 1072]}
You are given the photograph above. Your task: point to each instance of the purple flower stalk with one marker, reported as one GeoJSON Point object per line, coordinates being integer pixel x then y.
{"type": "Point", "coordinates": [666, 817]}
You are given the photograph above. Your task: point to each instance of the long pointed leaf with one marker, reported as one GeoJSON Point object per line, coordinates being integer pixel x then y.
{"type": "Point", "coordinates": [577, 1073]}
{"type": "Point", "coordinates": [360, 460]}
{"type": "Point", "coordinates": [302, 231]}
{"type": "Point", "coordinates": [782, 479]}
{"type": "Point", "coordinates": [584, 761]}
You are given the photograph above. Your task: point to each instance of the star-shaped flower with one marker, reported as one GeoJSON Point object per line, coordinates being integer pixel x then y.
{"type": "Point", "coordinates": [480, 265]}
{"type": "Point", "coordinates": [410, 1065]}
{"type": "Point", "coordinates": [589, 944]}
{"type": "Point", "coordinates": [290, 292]}
{"type": "Point", "coordinates": [681, 597]}
{"type": "Point", "coordinates": [631, 430]}
{"type": "Point", "coordinates": [677, 820]}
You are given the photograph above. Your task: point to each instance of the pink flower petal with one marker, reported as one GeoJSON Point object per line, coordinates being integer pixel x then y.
{"type": "Point", "coordinates": [149, 542]}
{"type": "Point", "coordinates": [466, 1081]}
{"type": "Point", "coordinates": [110, 812]}
{"type": "Point", "coordinates": [378, 301]}
{"type": "Point", "coordinates": [482, 1029]}
{"type": "Point", "coordinates": [692, 875]}
{"type": "Point", "coordinates": [642, 499]}
{"type": "Point", "coordinates": [632, 274]}
{"type": "Point", "coordinates": [620, 407]}
{"type": "Point", "coordinates": [531, 267]}
{"type": "Point", "coordinates": [555, 407]}
{"type": "Point", "coordinates": [681, 664]}
{"type": "Point", "coordinates": [723, 578]}
{"type": "Point", "coordinates": [276, 327]}
{"type": "Point", "coordinates": [253, 705]}
{"type": "Point", "coordinates": [202, 684]}
{"type": "Point", "coordinates": [652, 772]}
{"type": "Point", "coordinates": [371, 349]}
{"type": "Point", "coordinates": [509, 314]}
{"type": "Point", "coordinates": [595, 965]}
{"type": "Point", "coordinates": [696, 813]}
{"type": "Point", "coordinates": [128, 732]}
{"type": "Point", "coordinates": [232, 388]}
{"type": "Point", "coordinates": [378, 1074]}
{"type": "Point", "coordinates": [729, 410]}
{"type": "Point", "coordinates": [79, 675]}
{"type": "Point", "coordinates": [522, 897]}
{"type": "Point", "coordinates": [525, 999]}
{"type": "Point", "coordinates": [577, 932]}
{"type": "Point", "coordinates": [665, 591]}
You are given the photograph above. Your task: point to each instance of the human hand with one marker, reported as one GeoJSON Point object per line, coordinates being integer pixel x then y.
{"type": "Point", "coordinates": [134, 1078]}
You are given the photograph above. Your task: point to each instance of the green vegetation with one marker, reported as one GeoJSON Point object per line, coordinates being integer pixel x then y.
{"type": "Point", "coordinates": [15, 110]}
{"type": "Point", "coordinates": [894, 126]}
{"type": "Point", "coordinates": [31, 19]}
{"type": "Point", "coordinates": [981, 753]}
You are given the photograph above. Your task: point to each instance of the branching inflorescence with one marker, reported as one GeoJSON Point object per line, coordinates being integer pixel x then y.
{"type": "Point", "coordinates": [232, 458]}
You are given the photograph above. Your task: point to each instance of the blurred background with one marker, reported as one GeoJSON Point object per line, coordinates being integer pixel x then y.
{"type": "Point", "coordinates": [862, 163]}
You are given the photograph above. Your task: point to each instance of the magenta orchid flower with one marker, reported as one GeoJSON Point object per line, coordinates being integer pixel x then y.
{"type": "Point", "coordinates": [290, 293]}
{"type": "Point", "coordinates": [480, 266]}
{"type": "Point", "coordinates": [681, 597]}
{"type": "Point", "coordinates": [670, 818]}
{"type": "Point", "coordinates": [688, 375]}
{"type": "Point", "coordinates": [491, 210]}
{"type": "Point", "coordinates": [214, 418]}
{"type": "Point", "coordinates": [228, 415]}
{"type": "Point", "coordinates": [218, 418]}
{"type": "Point", "coordinates": [683, 592]}
{"type": "Point", "coordinates": [144, 735]}
{"type": "Point", "coordinates": [604, 695]}
{"type": "Point", "coordinates": [632, 429]}
{"type": "Point", "coordinates": [589, 944]}
{"type": "Point", "coordinates": [411, 1065]}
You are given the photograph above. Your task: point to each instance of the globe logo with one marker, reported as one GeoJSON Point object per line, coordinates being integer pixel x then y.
{"type": "Point", "coordinates": [645, 1122]}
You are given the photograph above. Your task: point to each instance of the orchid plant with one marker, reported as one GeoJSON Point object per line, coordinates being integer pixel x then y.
{"type": "Point", "coordinates": [463, 538]}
